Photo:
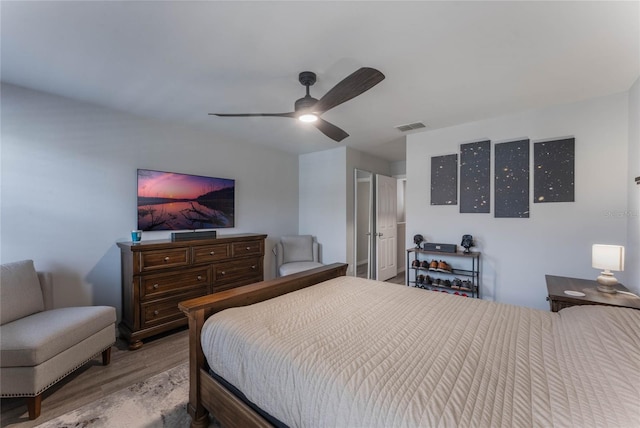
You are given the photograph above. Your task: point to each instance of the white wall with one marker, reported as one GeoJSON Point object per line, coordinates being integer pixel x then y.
{"type": "Point", "coordinates": [398, 168]}
{"type": "Point", "coordinates": [326, 198]}
{"type": "Point", "coordinates": [69, 187]}
{"type": "Point", "coordinates": [557, 238]}
{"type": "Point", "coordinates": [323, 201]}
{"type": "Point", "coordinates": [632, 251]}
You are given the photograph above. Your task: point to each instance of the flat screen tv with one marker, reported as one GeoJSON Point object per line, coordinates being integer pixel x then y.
{"type": "Point", "coordinates": [173, 201]}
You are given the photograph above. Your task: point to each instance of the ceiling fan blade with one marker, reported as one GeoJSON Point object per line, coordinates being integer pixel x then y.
{"type": "Point", "coordinates": [292, 114]}
{"type": "Point", "coordinates": [351, 86]}
{"type": "Point", "coordinates": [330, 130]}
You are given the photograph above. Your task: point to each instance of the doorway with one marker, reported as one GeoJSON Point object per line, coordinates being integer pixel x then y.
{"type": "Point", "coordinates": [375, 225]}
{"type": "Point", "coordinates": [363, 220]}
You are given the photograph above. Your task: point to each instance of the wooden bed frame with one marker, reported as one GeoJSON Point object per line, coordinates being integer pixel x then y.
{"type": "Point", "coordinates": [207, 395]}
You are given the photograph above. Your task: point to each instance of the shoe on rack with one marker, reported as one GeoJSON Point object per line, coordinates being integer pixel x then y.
{"type": "Point", "coordinates": [444, 267]}
{"type": "Point", "coordinates": [429, 280]}
{"type": "Point", "coordinates": [433, 265]}
{"type": "Point", "coordinates": [420, 279]}
{"type": "Point", "coordinates": [415, 264]}
{"type": "Point", "coordinates": [424, 264]}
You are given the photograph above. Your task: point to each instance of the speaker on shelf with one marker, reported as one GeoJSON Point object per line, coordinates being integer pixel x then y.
{"type": "Point", "coordinates": [443, 248]}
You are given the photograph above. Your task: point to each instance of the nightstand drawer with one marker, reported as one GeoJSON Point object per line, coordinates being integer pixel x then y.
{"type": "Point", "coordinates": [183, 281]}
{"type": "Point", "coordinates": [162, 259]}
{"type": "Point", "coordinates": [247, 248]}
{"type": "Point", "coordinates": [211, 253]}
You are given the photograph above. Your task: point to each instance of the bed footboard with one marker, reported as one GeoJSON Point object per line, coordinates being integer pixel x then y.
{"type": "Point", "coordinates": [205, 394]}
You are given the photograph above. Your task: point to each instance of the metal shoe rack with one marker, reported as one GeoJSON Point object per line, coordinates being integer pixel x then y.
{"type": "Point", "coordinates": [462, 280]}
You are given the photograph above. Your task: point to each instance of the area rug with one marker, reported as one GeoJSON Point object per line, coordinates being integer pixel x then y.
{"type": "Point", "coordinates": [158, 402]}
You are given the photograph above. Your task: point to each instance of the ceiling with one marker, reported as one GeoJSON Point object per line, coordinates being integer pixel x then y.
{"type": "Point", "coordinates": [445, 63]}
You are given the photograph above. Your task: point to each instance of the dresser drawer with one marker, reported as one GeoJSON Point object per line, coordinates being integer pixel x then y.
{"type": "Point", "coordinates": [161, 259]}
{"type": "Point", "coordinates": [237, 270]}
{"type": "Point", "coordinates": [165, 310]}
{"type": "Point", "coordinates": [211, 253]}
{"type": "Point", "coordinates": [247, 248]}
{"type": "Point", "coordinates": [163, 284]}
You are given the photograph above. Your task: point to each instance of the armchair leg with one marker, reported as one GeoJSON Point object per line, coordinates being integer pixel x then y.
{"type": "Point", "coordinates": [33, 405]}
{"type": "Point", "coordinates": [106, 356]}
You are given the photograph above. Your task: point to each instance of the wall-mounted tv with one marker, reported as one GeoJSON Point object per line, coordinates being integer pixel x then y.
{"type": "Point", "coordinates": [173, 201]}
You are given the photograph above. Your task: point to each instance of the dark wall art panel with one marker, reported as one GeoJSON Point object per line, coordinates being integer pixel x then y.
{"type": "Point", "coordinates": [444, 180]}
{"type": "Point", "coordinates": [554, 171]}
{"type": "Point", "coordinates": [475, 180]}
{"type": "Point", "coordinates": [512, 179]}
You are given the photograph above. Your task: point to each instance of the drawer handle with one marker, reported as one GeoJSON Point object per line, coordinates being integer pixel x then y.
{"type": "Point", "coordinates": [199, 277]}
{"type": "Point", "coordinates": [155, 312]}
{"type": "Point", "coordinates": [166, 259]}
{"type": "Point", "coordinates": [222, 272]}
{"type": "Point", "coordinates": [211, 253]}
{"type": "Point", "coordinates": [253, 267]}
{"type": "Point", "coordinates": [248, 248]}
{"type": "Point", "coordinates": [155, 286]}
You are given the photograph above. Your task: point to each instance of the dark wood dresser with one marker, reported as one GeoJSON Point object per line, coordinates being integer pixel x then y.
{"type": "Point", "coordinates": [157, 275]}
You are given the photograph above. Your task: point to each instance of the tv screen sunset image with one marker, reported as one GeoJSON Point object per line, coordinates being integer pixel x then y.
{"type": "Point", "coordinates": [174, 201]}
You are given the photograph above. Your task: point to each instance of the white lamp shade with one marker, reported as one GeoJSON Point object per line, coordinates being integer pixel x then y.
{"type": "Point", "coordinates": [607, 257]}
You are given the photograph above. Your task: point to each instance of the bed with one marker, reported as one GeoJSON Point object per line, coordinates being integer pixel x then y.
{"type": "Point", "coordinates": [319, 349]}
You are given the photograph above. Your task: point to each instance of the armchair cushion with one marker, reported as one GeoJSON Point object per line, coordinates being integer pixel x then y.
{"type": "Point", "coordinates": [20, 292]}
{"type": "Point", "coordinates": [297, 248]}
{"type": "Point", "coordinates": [30, 341]}
{"type": "Point", "coordinates": [295, 267]}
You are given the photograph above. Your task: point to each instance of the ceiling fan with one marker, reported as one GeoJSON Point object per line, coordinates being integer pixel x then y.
{"type": "Point", "coordinates": [309, 109]}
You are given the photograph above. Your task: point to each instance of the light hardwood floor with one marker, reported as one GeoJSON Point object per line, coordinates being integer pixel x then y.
{"type": "Point", "coordinates": [94, 381]}
{"type": "Point", "coordinates": [361, 272]}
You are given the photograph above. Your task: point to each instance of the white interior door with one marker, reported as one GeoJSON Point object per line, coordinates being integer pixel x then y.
{"type": "Point", "coordinates": [386, 230]}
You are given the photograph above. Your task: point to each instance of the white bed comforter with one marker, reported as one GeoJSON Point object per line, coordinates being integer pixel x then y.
{"type": "Point", "coordinates": [357, 353]}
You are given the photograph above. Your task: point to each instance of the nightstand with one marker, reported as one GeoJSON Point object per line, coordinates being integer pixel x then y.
{"type": "Point", "coordinates": [558, 299]}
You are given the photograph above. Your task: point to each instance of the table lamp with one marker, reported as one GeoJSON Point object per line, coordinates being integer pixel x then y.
{"type": "Point", "coordinates": [608, 258]}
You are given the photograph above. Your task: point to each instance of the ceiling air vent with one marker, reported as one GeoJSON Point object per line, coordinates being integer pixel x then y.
{"type": "Point", "coordinates": [410, 126]}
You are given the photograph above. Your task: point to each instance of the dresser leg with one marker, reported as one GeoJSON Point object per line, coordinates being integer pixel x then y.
{"type": "Point", "coordinates": [135, 344]}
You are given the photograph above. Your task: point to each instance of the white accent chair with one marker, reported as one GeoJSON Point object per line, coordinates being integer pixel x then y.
{"type": "Point", "coordinates": [296, 254]}
{"type": "Point", "coordinates": [40, 345]}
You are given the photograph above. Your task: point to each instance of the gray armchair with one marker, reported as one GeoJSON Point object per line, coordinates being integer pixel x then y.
{"type": "Point", "coordinates": [296, 254]}
{"type": "Point", "coordinates": [40, 345]}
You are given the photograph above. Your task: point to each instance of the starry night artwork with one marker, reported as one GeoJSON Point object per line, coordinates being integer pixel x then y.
{"type": "Point", "coordinates": [554, 170]}
{"type": "Point", "coordinates": [475, 179]}
{"type": "Point", "coordinates": [511, 188]}
{"type": "Point", "coordinates": [444, 180]}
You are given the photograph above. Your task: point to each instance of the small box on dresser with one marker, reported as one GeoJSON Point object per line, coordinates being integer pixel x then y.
{"type": "Point", "coordinates": [158, 274]}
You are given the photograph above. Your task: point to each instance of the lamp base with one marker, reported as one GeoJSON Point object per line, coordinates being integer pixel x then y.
{"type": "Point", "coordinates": [606, 282]}
{"type": "Point", "coordinates": [606, 289]}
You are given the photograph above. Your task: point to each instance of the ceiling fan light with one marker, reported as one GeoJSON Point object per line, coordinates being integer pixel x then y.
{"type": "Point", "coordinates": [308, 117]}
